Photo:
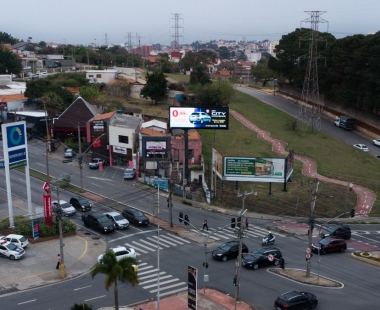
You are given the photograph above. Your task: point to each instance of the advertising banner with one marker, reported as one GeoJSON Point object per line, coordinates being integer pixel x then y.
{"type": "Point", "coordinates": [36, 229]}
{"type": "Point", "coordinates": [198, 117]}
{"type": "Point", "coordinates": [217, 163]}
{"type": "Point", "coordinates": [254, 169]}
{"type": "Point", "coordinates": [119, 149]}
{"type": "Point", "coordinates": [47, 209]}
{"type": "Point", "coordinates": [192, 288]}
{"type": "Point", "coordinates": [156, 149]}
{"type": "Point", "coordinates": [17, 158]}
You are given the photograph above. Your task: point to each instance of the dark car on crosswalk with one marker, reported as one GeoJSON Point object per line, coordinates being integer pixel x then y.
{"type": "Point", "coordinates": [262, 257]}
{"type": "Point", "coordinates": [135, 216]}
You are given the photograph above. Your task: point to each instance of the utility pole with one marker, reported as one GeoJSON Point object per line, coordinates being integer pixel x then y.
{"type": "Point", "coordinates": [240, 236]}
{"type": "Point", "coordinates": [311, 224]}
{"type": "Point", "coordinates": [158, 247]}
{"type": "Point", "coordinates": [80, 159]}
{"type": "Point", "coordinates": [170, 204]}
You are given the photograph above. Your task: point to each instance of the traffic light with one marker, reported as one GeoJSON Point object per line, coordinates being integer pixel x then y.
{"type": "Point", "coordinates": [235, 281]}
{"type": "Point", "coordinates": [180, 217]}
{"type": "Point", "coordinates": [233, 222]}
{"type": "Point", "coordinates": [187, 221]}
{"type": "Point", "coordinates": [238, 222]}
{"type": "Point", "coordinates": [352, 212]}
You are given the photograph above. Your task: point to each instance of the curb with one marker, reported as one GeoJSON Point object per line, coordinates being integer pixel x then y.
{"type": "Point", "coordinates": [366, 260]}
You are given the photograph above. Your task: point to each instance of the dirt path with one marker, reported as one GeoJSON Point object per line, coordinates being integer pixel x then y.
{"type": "Point", "coordinates": [366, 197]}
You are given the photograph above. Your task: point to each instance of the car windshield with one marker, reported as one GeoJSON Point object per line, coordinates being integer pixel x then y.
{"type": "Point", "coordinates": [83, 201]}
{"type": "Point", "coordinates": [118, 217]}
{"type": "Point", "coordinates": [138, 213]}
{"type": "Point", "coordinates": [11, 246]}
{"type": "Point", "coordinates": [65, 205]}
{"type": "Point", "coordinates": [128, 170]}
{"type": "Point", "coordinates": [195, 114]}
{"type": "Point", "coordinates": [103, 219]}
{"type": "Point", "coordinates": [95, 161]}
{"type": "Point", "coordinates": [257, 253]}
{"type": "Point", "coordinates": [329, 229]}
{"type": "Point", "coordinates": [225, 247]}
{"type": "Point", "coordinates": [23, 239]}
{"type": "Point", "coordinates": [324, 242]}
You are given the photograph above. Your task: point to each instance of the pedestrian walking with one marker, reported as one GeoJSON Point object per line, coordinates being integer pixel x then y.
{"type": "Point", "coordinates": [58, 261]}
{"type": "Point", "coordinates": [205, 225]}
{"type": "Point", "coordinates": [246, 223]}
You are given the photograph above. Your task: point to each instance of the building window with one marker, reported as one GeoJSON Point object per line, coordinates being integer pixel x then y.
{"type": "Point", "coordinates": [98, 76]}
{"type": "Point", "coordinates": [90, 75]}
{"type": "Point", "coordinates": [190, 153]}
{"type": "Point", "coordinates": [123, 139]}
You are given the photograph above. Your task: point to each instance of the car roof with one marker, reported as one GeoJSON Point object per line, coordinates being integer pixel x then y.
{"type": "Point", "coordinates": [60, 201]}
{"type": "Point", "coordinates": [118, 248]}
{"type": "Point", "coordinates": [290, 295]}
{"type": "Point", "coordinates": [112, 213]}
{"type": "Point", "coordinates": [14, 236]}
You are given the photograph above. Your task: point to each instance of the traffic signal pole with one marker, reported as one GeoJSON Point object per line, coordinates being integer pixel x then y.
{"type": "Point", "coordinates": [240, 235]}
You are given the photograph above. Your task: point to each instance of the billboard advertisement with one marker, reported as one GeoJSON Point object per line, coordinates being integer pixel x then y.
{"type": "Point", "coordinates": [156, 149]}
{"type": "Point", "coordinates": [254, 169]}
{"type": "Point", "coordinates": [198, 117]}
{"type": "Point", "coordinates": [217, 163]}
{"type": "Point", "coordinates": [192, 287]}
{"type": "Point", "coordinates": [48, 209]}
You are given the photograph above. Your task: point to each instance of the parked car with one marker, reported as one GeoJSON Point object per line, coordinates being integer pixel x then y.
{"type": "Point", "coordinates": [53, 66]}
{"type": "Point", "coordinates": [10, 250]}
{"type": "Point", "coordinates": [337, 231]}
{"type": "Point", "coordinates": [296, 300]}
{"type": "Point", "coordinates": [129, 173]}
{"type": "Point", "coordinates": [80, 203]}
{"type": "Point", "coordinates": [259, 258]}
{"type": "Point", "coordinates": [94, 163]}
{"type": "Point", "coordinates": [27, 68]}
{"type": "Point", "coordinates": [98, 221]}
{"type": "Point", "coordinates": [228, 250]}
{"type": "Point", "coordinates": [120, 252]}
{"type": "Point", "coordinates": [18, 240]}
{"type": "Point", "coordinates": [69, 153]}
{"type": "Point", "coordinates": [199, 117]}
{"type": "Point", "coordinates": [376, 142]}
{"type": "Point", "coordinates": [135, 216]}
{"type": "Point", "coordinates": [120, 221]}
{"type": "Point", "coordinates": [327, 245]}
{"type": "Point", "coordinates": [362, 147]}
{"type": "Point", "coordinates": [67, 208]}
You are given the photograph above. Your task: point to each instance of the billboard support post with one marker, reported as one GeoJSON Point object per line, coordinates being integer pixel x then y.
{"type": "Point", "coordinates": [186, 157]}
{"type": "Point", "coordinates": [270, 188]}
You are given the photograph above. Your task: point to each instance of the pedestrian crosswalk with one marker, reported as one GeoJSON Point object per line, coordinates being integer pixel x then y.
{"type": "Point", "coordinates": [228, 233]}
{"type": "Point", "coordinates": [153, 280]}
{"type": "Point", "coordinates": [150, 244]}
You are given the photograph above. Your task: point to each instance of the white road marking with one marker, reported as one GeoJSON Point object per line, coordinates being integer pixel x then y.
{"type": "Point", "coordinates": [25, 302]}
{"type": "Point", "coordinates": [81, 288]}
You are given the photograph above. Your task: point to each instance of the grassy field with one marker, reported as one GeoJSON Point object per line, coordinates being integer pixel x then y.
{"type": "Point", "coordinates": [178, 77]}
{"type": "Point", "coordinates": [335, 159]}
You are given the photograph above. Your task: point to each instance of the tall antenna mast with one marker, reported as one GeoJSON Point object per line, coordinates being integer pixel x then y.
{"type": "Point", "coordinates": [310, 108]}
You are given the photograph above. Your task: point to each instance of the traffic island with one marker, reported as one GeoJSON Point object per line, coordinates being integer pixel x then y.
{"type": "Point", "coordinates": [299, 275]}
{"type": "Point", "coordinates": [372, 258]}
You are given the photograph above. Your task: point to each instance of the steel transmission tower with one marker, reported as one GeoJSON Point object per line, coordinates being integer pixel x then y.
{"type": "Point", "coordinates": [176, 27]}
{"type": "Point", "coordinates": [129, 44]}
{"type": "Point", "coordinates": [310, 109]}
{"type": "Point", "coordinates": [106, 39]}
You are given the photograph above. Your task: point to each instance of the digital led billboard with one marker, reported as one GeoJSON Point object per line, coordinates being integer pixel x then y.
{"type": "Point", "coordinates": [198, 117]}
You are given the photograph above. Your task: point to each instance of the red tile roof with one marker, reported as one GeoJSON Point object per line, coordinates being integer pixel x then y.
{"type": "Point", "coordinates": [151, 132]}
{"type": "Point", "coordinates": [104, 116]}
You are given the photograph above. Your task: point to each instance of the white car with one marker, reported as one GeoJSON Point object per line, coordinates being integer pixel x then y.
{"type": "Point", "coordinates": [362, 147]}
{"type": "Point", "coordinates": [199, 117]}
{"type": "Point", "coordinates": [120, 221]}
{"type": "Point", "coordinates": [67, 208]}
{"type": "Point", "coordinates": [10, 250]}
{"type": "Point", "coordinates": [18, 240]}
{"type": "Point", "coordinates": [376, 142]}
{"type": "Point", "coordinates": [121, 252]}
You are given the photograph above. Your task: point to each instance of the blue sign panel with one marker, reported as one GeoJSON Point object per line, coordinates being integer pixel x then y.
{"type": "Point", "coordinates": [17, 155]}
{"type": "Point", "coordinates": [36, 229]}
{"type": "Point", "coordinates": [15, 135]}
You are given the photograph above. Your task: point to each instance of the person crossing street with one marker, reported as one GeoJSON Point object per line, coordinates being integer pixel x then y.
{"type": "Point", "coordinates": [205, 225]}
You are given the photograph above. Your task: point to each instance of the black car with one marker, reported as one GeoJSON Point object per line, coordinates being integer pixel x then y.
{"type": "Point", "coordinates": [261, 257]}
{"type": "Point", "coordinates": [337, 231]}
{"type": "Point", "coordinates": [228, 250]}
{"type": "Point", "coordinates": [296, 300]}
{"type": "Point", "coordinates": [135, 216]}
{"type": "Point", "coordinates": [99, 222]}
{"type": "Point", "coordinates": [81, 203]}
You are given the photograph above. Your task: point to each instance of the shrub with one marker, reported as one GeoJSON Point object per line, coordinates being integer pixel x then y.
{"type": "Point", "coordinates": [25, 227]}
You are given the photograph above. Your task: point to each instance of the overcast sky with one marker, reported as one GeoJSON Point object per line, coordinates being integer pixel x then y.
{"type": "Point", "coordinates": [87, 21]}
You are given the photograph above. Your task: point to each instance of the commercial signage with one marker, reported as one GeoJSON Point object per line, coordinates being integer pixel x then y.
{"type": "Point", "coordinates": [48, 210]}
{"type": "Point", "coordinates": [119, 149]}
{"type": "Point", "coordinates": [217, 163]}
{"type": "Point", "coordinates": [156, 149]}
{"type": "Point", "coordinates": [192, 288]}
{"type": "Point", "coordinates": [36, 229]}
{"type": "Point", "coordinates": [98, 125]}
{"type": "Point", "coordinates": [198, 117]}
{"type": "Point", "coordinates": [17, 158]}
{"type": "Point", "coordinates": [254, 169]}
{"type": "Point", "coordinates": [2, 164]}
{"type": "Point", "coordinates": [16, 135]}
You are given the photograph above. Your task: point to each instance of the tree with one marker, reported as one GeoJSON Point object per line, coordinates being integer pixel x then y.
{"type": "Point", "coordinates": [224, 53]}
{"type": "Point", "coordinates": [90, 93]}
{"type": "Point", "coordinates": [7, 38]}
{"type": "Point", "coordinates": [261, 72]}
{"type": "Point", "coordinates": [9, 62]}
{"type": "Point", "coordinates": [52, 102]}
{"type": "Point", "coordinates": [155, 87]}
{"type": "Point", "coordinates": [215, 94]}
{"type": "Point", "coordinates": [81, 307]}
{"type": "Point", "coordinates": [200, 75]}
{"type": "Point", "coordinates": [116, 270]}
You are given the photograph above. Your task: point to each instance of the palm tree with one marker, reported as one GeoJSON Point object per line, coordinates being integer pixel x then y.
{"type": "Point", "coordinates": [124, 270]}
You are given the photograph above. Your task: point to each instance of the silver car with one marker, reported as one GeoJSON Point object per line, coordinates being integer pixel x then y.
{"type": "Point", "coordinates": [69, 153]}
{"type": "Point", "coordinates": [67, 208]}
{"type": "Point", "coordinates": [129, 173]}
{"type": "Point", "coordinates": [120, 221]}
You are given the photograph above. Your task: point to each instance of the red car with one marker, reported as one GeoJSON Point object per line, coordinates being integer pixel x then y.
{"type": "Point", "coordinates": [327, 245]}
